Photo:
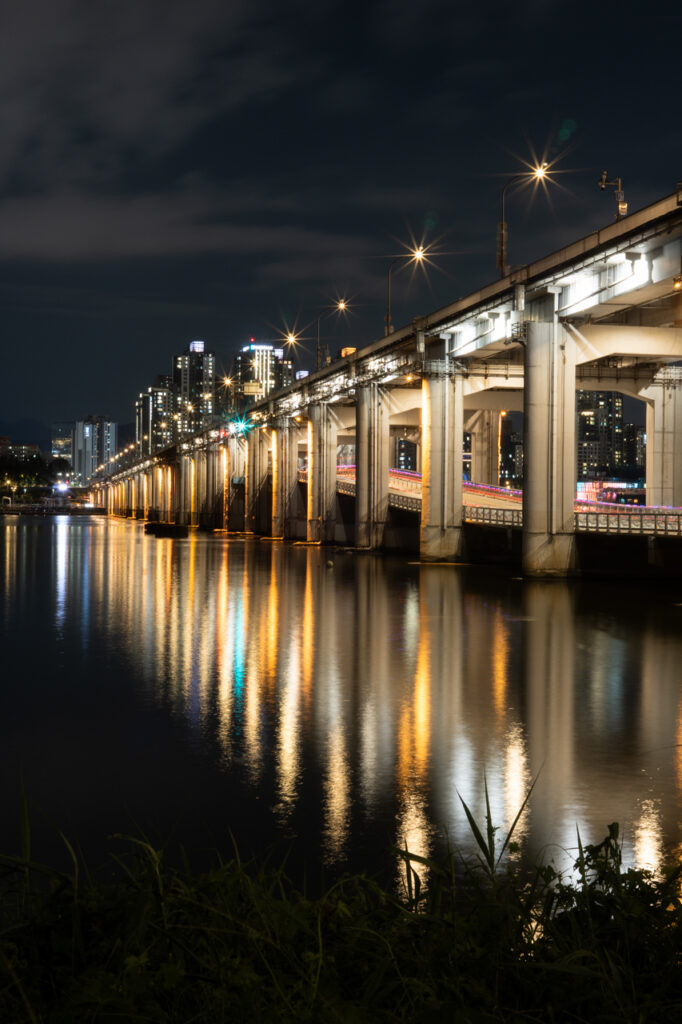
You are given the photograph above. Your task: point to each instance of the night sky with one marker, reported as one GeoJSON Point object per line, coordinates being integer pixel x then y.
{"type": "Point", "coordinates": [218, 170]}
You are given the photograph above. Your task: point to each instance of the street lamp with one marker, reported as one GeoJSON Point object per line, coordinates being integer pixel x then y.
{"type": "Point", "coordinates": [413, 256]}
{"type": "Point", "coordinates": [340, 307]}
{"type": "Point", "coordinates": [537, 174]}
{"type": "Point", "coordinates": [619, 195]}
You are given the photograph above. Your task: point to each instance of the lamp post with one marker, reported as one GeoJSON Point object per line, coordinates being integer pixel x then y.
{"type": "Point", "coordinates": [414, 256]}
{"type": "Point", "coordinates": [619, 195]}
{"type": "Point", "coordinates": [339, 307]}
{"type": "Point", "coordinates": [535, 175]}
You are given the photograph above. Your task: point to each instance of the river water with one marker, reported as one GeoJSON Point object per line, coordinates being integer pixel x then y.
{"type": "Point", "coordinates": [334, 704]}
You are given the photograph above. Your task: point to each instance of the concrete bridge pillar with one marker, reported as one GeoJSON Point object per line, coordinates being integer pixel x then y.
{"type": "Point", "coordinates": [155, 493]}
{"type": "Point", "coordinates": [288, 515]}
{"type": "Point", "coordinates": [164, 500]}
{"type": "Point", "coordinates": [442, 429]}
{"type": "Point", "coordinates": [321, 510]}
{"type": "Point", "coordinates": [663, 444]}
{"type": "Point", "coordinates": [184, 492]}
{"type": "Point", "coordinates": [372, 450]}
{"type": "Point", "coordinates": [256, 478]}
{"type": "Point", "coordinates": [174, 477]}
{"type": "Point", "coordinates": [202, 504]}
{"type": "Point", "coordinates": [295, 511]}
{"type": "Point", "coordinates": [192, 488]}
{"type": "Point", "coordinates": [484, 426]}
{"type": "Point", "coordinates": [279, 440]}
{"type": "Point", "coordinates": [217, 487]}
{"type": "Point", "coordinates": [549, 451]}
{"type": "Point", "coordinates": [235, 469]}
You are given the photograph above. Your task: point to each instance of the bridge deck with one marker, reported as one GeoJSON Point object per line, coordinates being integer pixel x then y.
{"type": "Point", "coordinates": [500, 506]}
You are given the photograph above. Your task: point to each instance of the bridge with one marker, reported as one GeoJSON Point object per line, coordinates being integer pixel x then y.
{"type": "Point", "coordinates": [602, 314]}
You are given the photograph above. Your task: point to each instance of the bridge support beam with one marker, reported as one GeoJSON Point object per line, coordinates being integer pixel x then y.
{"type": "Point", "coordinates": [210, 490]}
{"type": "Point", "coordinates": [181, 491]}
{"type": "Point", "coordinates": [170, 487]}
{"type": "Point", "coordinates": [200, 487]}
{"type": "Point", "coordinates": [256, 477]}
{"type": "Point", "coordinates": [279, 440]}
{"type": "Point", "coordinates": [549, 451]}
{"type": "Point", "coordinates": [234, 469]}
{"type": "Point", "coordinates": [294, 510]}
{"type": "Point", "coordinates": [442, 428]}
{"type": "Point", "coordinates": [663, 444]}
{"type": "Point", "coordinates": [372, 435]}
{"type": "Point", "coordinates": [321, 510]}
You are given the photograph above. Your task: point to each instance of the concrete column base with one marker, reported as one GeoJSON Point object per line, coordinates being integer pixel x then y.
{"type": "Point", "coordinates": [438, 544]}
{"type": "Point", "coordinates": [549, 555]}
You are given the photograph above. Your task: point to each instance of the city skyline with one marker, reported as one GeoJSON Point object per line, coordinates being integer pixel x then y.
{"type": "Point", "coordinates": [223, 173]}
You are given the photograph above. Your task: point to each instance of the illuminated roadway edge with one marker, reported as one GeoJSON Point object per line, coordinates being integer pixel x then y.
{"type": "Point", "coordinates": [501, 506]}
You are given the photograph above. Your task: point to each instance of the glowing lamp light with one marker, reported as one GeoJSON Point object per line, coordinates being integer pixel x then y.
{"type": "Point", "coordinates": [677, 283]}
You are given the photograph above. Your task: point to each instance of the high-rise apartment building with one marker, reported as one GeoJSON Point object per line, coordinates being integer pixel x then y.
{"type": "Point", "coordinates": [257, 370]}
{"type": "Point", "coordinates": [154, 417]}
{"type": "Point", "coordinates": [93, 444]}
{"type": "Point", "coordinates": [599, 434]}
{"type": "Point", "coordinates": [634, 450]}
{"type": "Point", "coordinates": [193, 390]}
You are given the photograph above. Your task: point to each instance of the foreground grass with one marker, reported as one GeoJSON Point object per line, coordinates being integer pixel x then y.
{"type": "Point", "coordinates": [240, 943]}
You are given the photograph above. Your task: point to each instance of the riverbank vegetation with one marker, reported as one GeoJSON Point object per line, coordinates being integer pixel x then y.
{"type": "Point", "coordinates": [483, 942]}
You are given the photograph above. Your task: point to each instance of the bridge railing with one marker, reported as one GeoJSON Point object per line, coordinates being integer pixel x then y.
{"type": "Point", "coordinates": [405, 493]}
{"type": "Point", "coordinates": [492, 516]}
{"type": "Point", "coordinates": [645, 523]}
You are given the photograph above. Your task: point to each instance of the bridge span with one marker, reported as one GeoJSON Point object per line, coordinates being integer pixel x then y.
{"type": "Point", "coordinates": [602, 314]}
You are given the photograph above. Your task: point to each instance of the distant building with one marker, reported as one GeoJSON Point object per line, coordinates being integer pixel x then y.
{"type": "Point", "coordinates": [22, 451]}
{"type": "Point", "coordinates": [61, 441]}
{"type": "Point", "coordinates": [599, 434]}
{"type": "Point", "coordinates": [193, 390]}
{"type": "Point", "coordinates": [94, 442]}
{"type": "Point", "coordinates": [259, 369]}
{"type": "Point", "coordinates": [511, 455]}
{"type": "Point", "coordinates": [634, 449]}
{"type": "Point", "coordinates": [154, 417]}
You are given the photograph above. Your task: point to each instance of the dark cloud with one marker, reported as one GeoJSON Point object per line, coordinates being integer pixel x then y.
{"type": "Point", "coordinates": [173, 169]}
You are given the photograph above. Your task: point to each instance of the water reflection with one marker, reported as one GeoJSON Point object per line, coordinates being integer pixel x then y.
{"type": "Point", "coordinates": [371, 697]}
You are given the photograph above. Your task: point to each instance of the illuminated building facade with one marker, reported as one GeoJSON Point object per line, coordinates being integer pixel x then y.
{"type": "Point", "coordinates": [634, 449]}
{"type": "Point", "coordinates": [599, 434]}
{"type": "Point", "coordinates": [61, 441]}
{"type": "Point", "coordinates": [193, 390]}
{"type": "Point", "coordinates": [259, 369]}
{"type": "Point", "coordinates": [93, 443]}
{"type": "Point", "coordinates": [154, 417]}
